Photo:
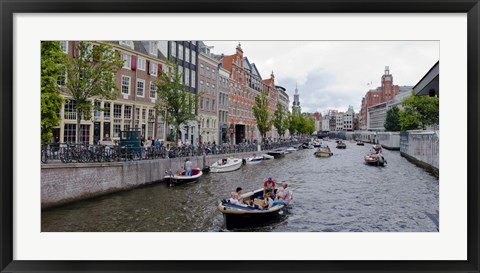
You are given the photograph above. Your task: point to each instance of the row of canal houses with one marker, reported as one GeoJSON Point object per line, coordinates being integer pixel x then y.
{"type": "Point", "coordinates": [228, 85]}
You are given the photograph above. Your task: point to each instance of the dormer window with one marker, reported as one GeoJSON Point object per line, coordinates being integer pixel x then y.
{"type": "Point", "coordinates": [126, 43]}
{"type": "Point", "coordinates": [152, 48]}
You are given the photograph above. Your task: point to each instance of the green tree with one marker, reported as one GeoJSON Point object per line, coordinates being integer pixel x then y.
{"type": "Point", "coordinates": [419, 112]}
{"type": "Point", "coordinates": [293, 123]}
{"type": "Point", "coordinates": [392, 121]}
{"type": "Point", "coordinates": [179, 105]}
{"type": "Point", "coordinates": [51, 101]}
{"type": "Point", "coordinates": [91, 76]}
{"type": "Point", "coordinates": [260, 111]}
{"type": "Point", "coordinates": [279, 117]}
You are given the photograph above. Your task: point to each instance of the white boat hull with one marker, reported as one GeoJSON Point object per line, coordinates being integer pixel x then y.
{"type": "Point", "coordinates": [232, 165]}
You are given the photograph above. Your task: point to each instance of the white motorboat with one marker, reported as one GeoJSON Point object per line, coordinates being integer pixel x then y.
{"type": "Point", "coordinates": [291, 149]}
{"type": "Point", "coordinates": [267, 157]}
{"type": "Point", "coordinates": [255, 159]}
{"type": "Point", "coordinates": [181, 177]}
{"type": "Point", "coordinates": [226, 165]}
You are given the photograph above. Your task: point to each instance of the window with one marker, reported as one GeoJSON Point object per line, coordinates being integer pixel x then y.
{"type": "Point", "coordinates": [117, 111]}
{"type": "Point", "coordinates": [96, 108]}
{"type": "Point", "coordinates": [153, 69]}
{"type": "Point", "coordinates": [187, 77]}
{"type": "Point", "coordinates": [202, 71]}
{"type": "Point", "coordinates": [116, 129]}
{"type": "Point", "coordinates": [194, 57]}
{"type": "Point", "coordinates": [144, 114]}
{"type": "Point", "coordinates": [208, 88]}
{"type": "Point", "coordinates": [126, 60]}
{"type": "Point", "coordinates": [69, 133]}
{"type": "Point", "coordinates": [201, 86]}
{"type": "Point", "coordinates": [208, 104]}
{"type": "Point", "coordinates": [173, 49]}
{"type": "Point", "coordinates": [64, 46]}
{"type": "Point", "coordinates": [125, 85]}
{"type": "Point", "coordinates": [141, 63]}
{"type": "Point", "coordinates": [106, 110]}
{"type": "Point", "coordinates": [208, 72]}
{"type": "Point", "coordinates": [152, 48]}
{"type": "Point", "coordinates": [187, 55]}
{"type": "Point", "coordinates": [69, 110]}
{"type": "Point", "coordinates": [192, 82]}
{"type": "Point", "coordinates": [213, 104]}
{"type": "Point", "coordinates": [61, 79]}
{"type": "Point", "coordinates": [151, 114]}
{"type": "Point", "coordinates": [127, 112]}
{"type": "Point", "coordinates": [153, 90]}
{"type": "Point", "coordinates": [140, 87]}
{"type": "Point", "coordinates": [213, 74]}
{"type": "Point", "coordinates": [180, 72]}
{"type": "Point", "coordinates": [201, 103]}
{"type": "Point", "coordinates": [180, 52]}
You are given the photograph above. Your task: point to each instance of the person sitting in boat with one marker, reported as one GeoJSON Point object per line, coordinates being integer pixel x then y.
{"type": "Point", "coordinates": [236, 195]}
{"type": "Point", "coordinates": [270, 203]}
{"type": "Point", "coordinates": [283, 194]}
{"type": "Point", "coordinates": [269, 187]}
{"type": "Point", "coordinates": [188, 167]}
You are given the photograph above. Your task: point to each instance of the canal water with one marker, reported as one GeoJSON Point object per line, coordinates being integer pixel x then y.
{"type": "Point", "coordinates": [336, 194]}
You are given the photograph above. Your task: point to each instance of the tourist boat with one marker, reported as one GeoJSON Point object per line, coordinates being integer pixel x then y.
{"type": "Point", "coordinates": [181, 177]}
{"type": "Point", "coordinates": [254, 159]}
{"type": "Point", "coordinates": [360, 143]}
{"type": "Point", "coordinates": [244, 216]}
{"type": "Point", "coordinates": [341, 145]}
{"type": "Point", "coordinates": [376, 159]}
{"type": "Point", "coordinates": [323, 151]}
{"type": "Point", "coordinates": [226, 165]}
{"type": "Point", "coordinates": [377, 148]}
{"type": "Point", "coordinates": [267, 157]}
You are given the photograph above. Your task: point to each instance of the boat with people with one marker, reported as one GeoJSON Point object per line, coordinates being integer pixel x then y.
{"type": "Point", "coordinates": [317, 144]}
{"type": "Point", "coordinates": [181, 177]}
{"type": "Point", "coordinates": [377, 148]}
{"type": "Point", "coordinates": [226, 165]}
{"type": "Point", "coordinates": [254, 159]}
{"type": "Point", "coordinates": [323, 151]}
{"type": "Point", "coordinates": [375, 159]}
{"type": "Point", "coordinates": [253, 210]}
{"type": "Point", "coordinates": [341, 145]}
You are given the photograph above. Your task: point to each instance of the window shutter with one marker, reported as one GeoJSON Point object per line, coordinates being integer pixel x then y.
{"type": "Point", "coordinates": [75, 49]}
{"type": "Point", "coordinates": [148, 67]}
{"type": "Point", "coordinates": [134, 63]}
{"type": "Point", "coordinates": [159, 69]}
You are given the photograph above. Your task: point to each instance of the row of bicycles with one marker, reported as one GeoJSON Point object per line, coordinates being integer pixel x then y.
{"type": "Point", "coordinates": [85, 153]}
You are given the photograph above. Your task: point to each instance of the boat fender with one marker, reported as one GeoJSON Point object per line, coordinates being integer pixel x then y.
{"type": "Point", "coordinates": [244, 161]}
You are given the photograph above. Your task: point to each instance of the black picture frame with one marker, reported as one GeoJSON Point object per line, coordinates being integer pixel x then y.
{"type": "Point", "coordinates": [9, 8]}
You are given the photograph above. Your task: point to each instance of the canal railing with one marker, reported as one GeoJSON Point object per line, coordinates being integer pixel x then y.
{"type": "Point", "coordinates": [88, 153]}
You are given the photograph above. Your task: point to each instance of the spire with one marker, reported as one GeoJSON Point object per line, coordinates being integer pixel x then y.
{"type": "Point", "coordinates": [296, 88]}
{"type": "Point", "coordinates": [239, 47]}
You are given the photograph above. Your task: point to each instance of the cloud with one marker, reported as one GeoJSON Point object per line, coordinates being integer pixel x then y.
{"type": "Point", "coordinates": [334, 74]}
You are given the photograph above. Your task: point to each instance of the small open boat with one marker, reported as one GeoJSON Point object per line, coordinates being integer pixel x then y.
{"type": "Point", "coordinates": [226, 165]}
{"type": "Point", "coordinates": [277, 153]}
{"type": "Point", "coordinates": [255, 159]}
{"type": "Point", "coordinates": [323, 151]}
{"type": "Point", "coordinates": [291, 149]}
{"type": "Point", "coordinates": [267, 157]}
{"type": "Point", "coordinates": [181, 177]}
{"type": "Point", "coordinates": [375, 159]}
{"type": "Point", "coordinates": [243, 215]}
{"type": "Point", "coordinates": [360, 143]}
{"type": "Point", "coordinates": [341, 145]}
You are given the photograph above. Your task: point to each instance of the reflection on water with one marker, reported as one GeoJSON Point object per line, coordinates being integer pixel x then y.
{"type": "Point", "coordinates": [339, 193]}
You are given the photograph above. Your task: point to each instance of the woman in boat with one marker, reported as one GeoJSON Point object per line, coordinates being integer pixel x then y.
{"type": "Point", "coordinates": [236, 195]}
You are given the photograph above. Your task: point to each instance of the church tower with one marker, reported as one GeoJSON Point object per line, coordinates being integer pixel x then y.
{"type": "Point", "coordinates": [296, 109]}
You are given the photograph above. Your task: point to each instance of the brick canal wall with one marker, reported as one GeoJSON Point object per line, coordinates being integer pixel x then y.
{"type": "Point", "coordinates": [65, 183]}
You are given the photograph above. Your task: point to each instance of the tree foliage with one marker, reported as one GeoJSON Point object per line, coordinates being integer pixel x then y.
{"type": "Point", "coordinates": [306, 125]}
{"type": "Point", "coordinates": [419, 112]}
{"type": "Point", "coordinates": [392, 121]}
{"type": "Point", "coordinates": [91, 75]}
{"type": "Point", "coordinates": [280, 119]}
{"type": "Point", "coordinates": [179, 105]}
{"type": "Point", "coordinates": [293, 123]}
{"type": "Point", "coordinates": [51, 102]}
{"type": "Point", "coordinates": [260, 111]}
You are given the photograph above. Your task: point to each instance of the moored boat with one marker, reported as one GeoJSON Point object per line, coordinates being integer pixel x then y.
{"type": "Point", "coordinates": [181, 177]}
{"type": "Point", "coordinates": [241, 215]}
{"type": "Point", "coordinates": [267, 157]}
{"type": "Point", "coordinates": [360, 143]}
{"type": "Point", "coordinates": [226, 165]}
{"type": "Point", "coordinates": [291, 149]}
{"type": "Point", "coordinates": [255, 159]}
{"type": "Point", "coordinates": [323, 151]}
{"type": "Point", "coordinates": [277, 153]}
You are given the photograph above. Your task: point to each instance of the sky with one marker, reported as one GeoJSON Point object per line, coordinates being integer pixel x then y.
{"type": "Point", "coordinates": [335, 74]}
